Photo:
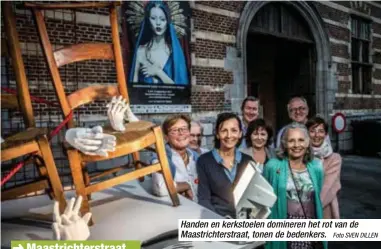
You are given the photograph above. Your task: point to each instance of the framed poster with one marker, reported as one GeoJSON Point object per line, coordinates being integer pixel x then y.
{"type": "Point", "coordinates": [157, 52]}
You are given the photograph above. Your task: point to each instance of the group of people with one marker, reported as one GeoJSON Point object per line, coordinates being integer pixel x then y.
{"type": "Point", "coordinates": [301, 165]}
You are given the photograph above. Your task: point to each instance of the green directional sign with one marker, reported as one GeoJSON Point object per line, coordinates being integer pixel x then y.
{"type": "Point", "coordinates": [66, 244]}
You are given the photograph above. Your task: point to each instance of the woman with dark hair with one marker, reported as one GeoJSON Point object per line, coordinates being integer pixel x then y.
{"type": "Point", "coordinates": [158, 56]}
{"type": "Point", "coordinates": [258, 139]}
{"type": "Point", "coordinates": [321, 147]}
{"type": "Point", "coordinates": [297, 180]}
{"type": "Point", "coordinates": [219, 169]}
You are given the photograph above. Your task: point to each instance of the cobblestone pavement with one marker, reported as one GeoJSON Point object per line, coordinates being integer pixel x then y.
{"type": "Point", "coordinates": [360, 196]}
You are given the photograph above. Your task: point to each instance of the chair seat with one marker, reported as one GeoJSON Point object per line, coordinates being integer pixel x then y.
{"type": "Point", "coordinates": [21, 143]}
{"type": "Point", "coordinates": [136, 136]}
{"type": "Point", "coordinates": [23, 137]}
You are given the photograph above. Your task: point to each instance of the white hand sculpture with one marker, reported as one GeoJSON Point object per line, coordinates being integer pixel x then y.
{"type": "Point", "coordinates": [130, 115]}
{"type": "Point", "coordinates": [91, 141]}
{"type": "Point", "coordinates": [118, 111]}
{"type": "Point", "coordinates": [69, 225]}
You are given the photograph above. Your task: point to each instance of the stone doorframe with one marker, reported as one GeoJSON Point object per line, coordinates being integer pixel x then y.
{"type": "Point", "coordinates": [326, 83]}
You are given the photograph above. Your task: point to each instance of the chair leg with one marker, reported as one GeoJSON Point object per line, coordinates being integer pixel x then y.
{"type": "Point", "coordinates": [86, 179]}
{"type": "Point", "coordinates": [165, 166]}
{"type": "Point", "coordinates": [79, 181]}
{"type": "Point", "coordinates": [39, 162]}
{"type": "Point", "coordinates": [138, 165]}
{"type": "Point", "coordinates": [52, 172]}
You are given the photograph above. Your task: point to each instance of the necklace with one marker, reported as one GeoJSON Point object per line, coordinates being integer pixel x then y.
{"type": "Point", "coordinates": [298, 167]}
{"type": "Point", "coordinates": [185, 158]}
{"type": "Point", "coordinates": [225, 153]}
{"type": "Point", "coordinates": [226, 162]}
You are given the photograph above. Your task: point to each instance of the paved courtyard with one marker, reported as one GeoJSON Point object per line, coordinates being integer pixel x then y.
{"type": "Point", "coordinates": [360, 197]}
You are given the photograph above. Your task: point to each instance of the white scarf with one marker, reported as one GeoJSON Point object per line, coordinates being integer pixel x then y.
{"type": "Point", "coordinates": [325, 149]}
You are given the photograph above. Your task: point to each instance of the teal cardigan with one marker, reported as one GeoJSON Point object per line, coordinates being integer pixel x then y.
{"type": "Point", "coordinates": [276, 172]}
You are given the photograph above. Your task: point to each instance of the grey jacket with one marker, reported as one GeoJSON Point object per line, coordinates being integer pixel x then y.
{"type": "Point", "coordinates": [270, 152]}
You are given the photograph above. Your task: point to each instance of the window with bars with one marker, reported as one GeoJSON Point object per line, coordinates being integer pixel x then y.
{"type": "Point", "coordinates": [361, 64]}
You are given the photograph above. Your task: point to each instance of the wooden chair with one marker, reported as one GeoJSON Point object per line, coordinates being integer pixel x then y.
{"type": "Point", "coordinates": [32, 139]}
{"type": "Point", "coordinates": [138, 135]}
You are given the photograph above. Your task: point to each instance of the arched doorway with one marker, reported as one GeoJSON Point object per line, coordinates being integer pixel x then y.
{"type": "Point", "coordinates": [285, 51]}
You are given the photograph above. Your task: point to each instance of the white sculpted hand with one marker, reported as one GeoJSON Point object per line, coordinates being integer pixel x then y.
{"type": "Point", "coordinates": [116, 109]}
{"type": "Point", "coordinates": [91, 141]}
{"type": "Point", "coordinates": [130, 116]}
{"type": "Point", "coordinates": [69, 225]}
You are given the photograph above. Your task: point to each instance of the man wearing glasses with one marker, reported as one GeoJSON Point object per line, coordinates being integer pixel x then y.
{"type": "Point", "coordinates": [181, 159]}
{"type": "Point", "coordinates": [297, 109]}
{"type": "Point", "coordinates": [196, 134]}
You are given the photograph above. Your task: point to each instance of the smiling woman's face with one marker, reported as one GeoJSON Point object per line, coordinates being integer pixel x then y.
{"type": "Point", "coordinates": [297, 143]}
{"type": "Point", "coordinates": [229, 133]}
{"type": "Point", "coordinates": [317, 135]}
{"type": "Point", "coordinates": [178, 135]}
{"type": "Point", "coordinates": [158, 20]}
{"type": "Point", "coordinates": [259, 137]}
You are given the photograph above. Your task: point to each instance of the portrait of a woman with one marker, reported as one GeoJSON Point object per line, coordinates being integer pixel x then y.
{"type": "Point", "coordinates": [158, 57]}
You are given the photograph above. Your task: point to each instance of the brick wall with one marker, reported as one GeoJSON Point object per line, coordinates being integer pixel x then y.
{"type": "Point", "coordinates": [226, 5]}
{"type": "Point", "coordinates": [64, 27]}
{"type": "Point", "coordinates": [336, 16]}
{"type": "Point", "coordinates": [215, 25]}
{"type": "Point", "coordinates": [337, 21]}
{"type": "Point", "coordinates": [215, 17]}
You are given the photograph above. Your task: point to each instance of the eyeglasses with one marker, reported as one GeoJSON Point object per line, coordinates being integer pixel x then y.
{"type": "Point", "coordinates": [177, 131]}
{"type": "Point", "coordinates": [195, 134]}
{"type": "Point", "coordinates": [300, 109]}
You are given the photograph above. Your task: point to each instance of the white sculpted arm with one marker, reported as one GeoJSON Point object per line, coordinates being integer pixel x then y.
{"type": "Point", "coordinates": [91, 141]}
{"type": "Point", "coordinates": [69, 225]}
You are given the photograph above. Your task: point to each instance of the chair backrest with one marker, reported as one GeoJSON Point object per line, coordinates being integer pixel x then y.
{"type": "Point", "coordinates": [81, 52]}
{"type": "Point", "coordinates": [9, 101]}
{"type": "Point", "coordinates": [23, 100]}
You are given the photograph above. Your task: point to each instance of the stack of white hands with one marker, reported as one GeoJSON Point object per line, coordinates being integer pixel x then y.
{"type": "Point", "coordinates": [69, 225]}
{"type": "Point", "coordinates": [91, 141]}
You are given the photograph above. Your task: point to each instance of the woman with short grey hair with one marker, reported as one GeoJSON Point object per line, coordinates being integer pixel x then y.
{"type": "Point", "coordinates": [297, 180]}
